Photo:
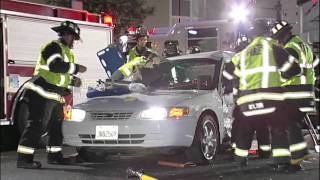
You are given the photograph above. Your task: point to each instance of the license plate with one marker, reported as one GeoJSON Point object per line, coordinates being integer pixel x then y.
{"type": "Point", "coordinates": [107, 132]}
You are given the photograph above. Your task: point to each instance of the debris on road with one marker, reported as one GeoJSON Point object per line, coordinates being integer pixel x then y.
{"type": "Point", "coordinates": [131, 173]}
{"type": "Point", "coordinates": [175, 164]}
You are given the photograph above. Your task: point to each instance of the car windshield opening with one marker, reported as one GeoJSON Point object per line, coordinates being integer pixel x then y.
{"type": "Point", "coordinates": [190, 74]}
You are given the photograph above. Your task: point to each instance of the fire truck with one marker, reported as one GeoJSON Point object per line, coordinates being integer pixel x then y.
{"type": "Point", "coordinates": [25, 27]}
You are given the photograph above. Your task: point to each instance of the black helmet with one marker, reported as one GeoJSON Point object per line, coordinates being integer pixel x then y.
{"type": "Point", "coordinates": [141, 32]}
{"type": "Point", "coordinates": [280, 29]}
{"type": "Point", "coordinates": [68, 26]}
{"type": "Point", "coordinates": [242, 42]}
{"type": "Point", "coordinates": [259, 28]}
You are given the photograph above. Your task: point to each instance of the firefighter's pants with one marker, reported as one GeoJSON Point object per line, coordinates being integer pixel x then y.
{"type": "Point", "coordinates": [298, 146]}
{"type": "Point", "coordinates": [279, 140]}
{"type": "Point", "coordinates": [262, 132]}
{"type": "Point", "coordinates": [45, 115]}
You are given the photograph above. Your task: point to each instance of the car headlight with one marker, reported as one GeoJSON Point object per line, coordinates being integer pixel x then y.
{"type": "Point", "coordinates": [76, 115]}
{"type": "Point", "coordinates": [154, 113]}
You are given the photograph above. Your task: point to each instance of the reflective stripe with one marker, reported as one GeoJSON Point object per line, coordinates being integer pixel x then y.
{"type": "Point", "coordinates": [307, 66]}
{"type": "Point", "coordinates": [280, 152]}
{"type": "Point", "coordinates": [242, 66]}
{"type": "Point", "coordinates": [45, 67]}
{"type": "Point", "coordinates": [259, 70]}
{"type": "Point", "coordinates": [288, 64]}
{"type": "Point", "coordinates": [227, 75]}
{"type": "Point", "coordinates": [298, 95]}
{"type": "Point", "coordinates": [25, 149]}
{"type": "Point", "coordinates": [241, 152]}
{"type": "Point", "coordinates": [260, 96]}
{"type": "Point", "coordinates": [235, 91]}
{"type": "Point", "coordinates": [72, 68]}
{"type": "Point", "coordinates": [62, 80]}
{"type": "Point", "coordinates": [233, 145]}
{"type": "Point", "coordinates": [66, 59]}
{"type": "Point", "coordinates": [265, 147]}
{"type": "Point", "coordinates": [315, 62]}
{"type": "Point", "coordinates": [54, 149]}
{"type": "Point", "coordinates": [53, 57]}
{"type": "Point", "coordinates": [298, 146]}
{"type": "Point", "coordinates": [307, 109]}
{"type": "Point", "coordinates": [127, 71]}
{"type": "Point", "coordinates": [259, 111]}
{"type": "Point", "coordinates": [43, 93]}
{"type": "Point", "coordinates": [265, 65]}
{"type": "Point", "coordinates": [303, 78]}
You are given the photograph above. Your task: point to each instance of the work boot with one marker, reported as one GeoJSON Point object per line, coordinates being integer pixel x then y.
{"type": "Point", "coordinates": [26, 161]}
{"type": "Point", "coordinates": [57, 158]}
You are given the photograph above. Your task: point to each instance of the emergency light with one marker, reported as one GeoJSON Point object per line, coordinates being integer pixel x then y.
{"type": "Point", "coordinates": [108, 19]}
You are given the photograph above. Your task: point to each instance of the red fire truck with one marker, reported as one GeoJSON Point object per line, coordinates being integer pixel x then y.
{"type": "Point", "coordinates": [25, 27]}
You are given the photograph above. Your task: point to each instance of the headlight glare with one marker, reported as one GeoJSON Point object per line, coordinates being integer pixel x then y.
{"type": "Point", "coordinates": [154, 113]}
{"type": "Point", "coordinates": [76, 115]}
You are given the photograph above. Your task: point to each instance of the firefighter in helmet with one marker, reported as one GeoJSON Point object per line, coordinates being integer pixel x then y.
{"type": "Point", "coordinates": [139, 56]}
{"type": "Point", "coordinates": [231, 86]}
{"type": "Point", "coordinates": [300, 89]}
{"type": "Point", "coordinates": [260, 94]}
{"type": "Point", "coordinates": [53, 78]}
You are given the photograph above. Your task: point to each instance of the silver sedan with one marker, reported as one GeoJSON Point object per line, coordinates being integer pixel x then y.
{"type": "Point", "coordinates": [184, 112]}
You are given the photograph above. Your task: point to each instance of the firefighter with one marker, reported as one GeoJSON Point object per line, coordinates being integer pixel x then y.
{"type": "Point", "coordinates": [299, 89]}
{"type": "Point", "coordinates": [260, 67]}
{"type": "Point", "coordinates": [53, 78]}
{"type": "Point", "coordinates": [232, 85]}
{"type": "Point", "coordinates": [171, 48]}
{"type": "Point", "coordinates": [139, 55]}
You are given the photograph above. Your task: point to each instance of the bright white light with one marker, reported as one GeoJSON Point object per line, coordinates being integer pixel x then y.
{"type": "Point", "coordinates": [154, 113]}
{"type": "Point", "coordinates": [193, 32]}
{"type": "Point", "coordinates": [77, 115]}
{"type": "Point", "coordinates": [239, 13]}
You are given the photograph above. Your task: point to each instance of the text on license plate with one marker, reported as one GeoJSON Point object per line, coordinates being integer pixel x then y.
{"type": "Point", "coordinates": [107, 132]}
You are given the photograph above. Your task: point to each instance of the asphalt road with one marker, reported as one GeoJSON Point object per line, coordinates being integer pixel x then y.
{"type": "Point", "coordinates": [115, 168]}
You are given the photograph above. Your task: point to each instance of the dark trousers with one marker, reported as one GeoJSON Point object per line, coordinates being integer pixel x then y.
{"type": "Point", "coordinates": [279, 136]}
{"type": "Point", "coordinates": [295, 132]}
{"type": "Point", "coordinates": [45, 115]}
{"type": "Point", "coordinates": [261, 128]}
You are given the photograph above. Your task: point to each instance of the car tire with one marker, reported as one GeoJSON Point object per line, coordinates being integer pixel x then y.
{"type": "Point", "coordinates": [205, 143]}
{"type": "Point", "coordinates": [88, 155]}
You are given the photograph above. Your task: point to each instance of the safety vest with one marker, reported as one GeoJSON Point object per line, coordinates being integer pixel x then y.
{"type": "Point", "coordinates": [256, 66]}
{"type": "Point", "coordinates": [133, 53]}
{"type": "Point", "coordinates": [57, 79]}
{"type": "Point", "coordinates": [128, 68]}
{"type": "Point", "coordinates": [305, 62]}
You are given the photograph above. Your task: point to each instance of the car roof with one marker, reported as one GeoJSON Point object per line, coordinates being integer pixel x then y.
{"type": "Point", "coordinates": [215, 55]}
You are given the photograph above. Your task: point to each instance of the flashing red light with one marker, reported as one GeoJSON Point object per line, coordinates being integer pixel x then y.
{"type": "Point", "coordinates": [107, 19]}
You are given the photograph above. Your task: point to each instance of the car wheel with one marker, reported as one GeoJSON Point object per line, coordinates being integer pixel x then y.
{"type": "Point", "coordinates": [206, 141]}
{"type": "Point", "coordinates": [91, 156]}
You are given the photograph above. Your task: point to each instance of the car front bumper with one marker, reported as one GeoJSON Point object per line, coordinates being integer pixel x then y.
{"type": "Point", "coordinates": [132, 133]}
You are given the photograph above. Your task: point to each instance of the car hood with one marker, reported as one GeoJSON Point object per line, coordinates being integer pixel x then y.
{"type": "Point", "coordinates": [136, 101]}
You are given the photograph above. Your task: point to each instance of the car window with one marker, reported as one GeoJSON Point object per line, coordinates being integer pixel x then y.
{"type": "Point", "coordinates": [187, 74]}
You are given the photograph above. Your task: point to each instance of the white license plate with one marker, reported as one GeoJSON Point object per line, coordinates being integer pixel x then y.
{"type": "Point", "coordinates": [107, 132]}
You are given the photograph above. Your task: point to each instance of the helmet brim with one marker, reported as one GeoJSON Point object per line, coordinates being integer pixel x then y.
{"type": "Point", "coordinates": [60, 29]}
{"type": "Point", "coordinates": [282, 32]}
